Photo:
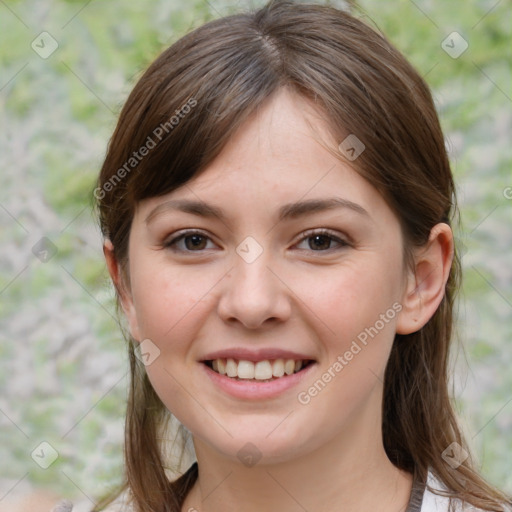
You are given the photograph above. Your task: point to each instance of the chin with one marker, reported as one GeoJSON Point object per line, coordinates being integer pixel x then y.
{"type": "Point", "coordinates": [256, 446]}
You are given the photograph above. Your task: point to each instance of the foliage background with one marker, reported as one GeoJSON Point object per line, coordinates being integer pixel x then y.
{"type": "Point", "coordinates": [63, 369]}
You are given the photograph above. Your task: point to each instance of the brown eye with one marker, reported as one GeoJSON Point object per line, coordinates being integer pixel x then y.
{"type": "Point", "coordinates": [196, 242]}
{"type": "Point", "coordinates": [321, 241]}
{"type": "Point", "coordinates": [193, 241]}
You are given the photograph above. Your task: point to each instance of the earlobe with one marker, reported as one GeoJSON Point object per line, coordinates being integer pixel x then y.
{"type": "Point", "coordinates": [122, 290]}
{"type": "Point", "coordinates": [426, 282]}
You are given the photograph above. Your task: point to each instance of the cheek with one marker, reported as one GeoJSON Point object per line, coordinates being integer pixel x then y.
{"type": "Point", "coordinates": [165, 298]}
{"type": "Point", "coordinates": [169, 305]}
{"type": "Point", "coordinates": [355, 311]}
{"type": "Point", "coordinates": [347, 300]}
{"type": "Point", "coordinates": [359, 308]}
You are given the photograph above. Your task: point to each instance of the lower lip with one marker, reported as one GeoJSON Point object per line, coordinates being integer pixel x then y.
{"type": "Point", "coordinates": [252, 389]}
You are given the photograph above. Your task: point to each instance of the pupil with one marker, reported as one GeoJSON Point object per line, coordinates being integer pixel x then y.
{"type": "Point", "coordinates": [316, 237]}
{"type": "Point", "coordinates": [197, 240]}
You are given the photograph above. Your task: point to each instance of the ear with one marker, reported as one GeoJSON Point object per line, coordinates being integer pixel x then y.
{"type": "Point", "coordinates": [426, 282]}
{"type": "Point", "coordinates": [122, 289]}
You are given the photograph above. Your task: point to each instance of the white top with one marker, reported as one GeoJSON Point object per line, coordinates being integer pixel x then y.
{"type": "Point", "coordinates": [431, 502]}
{"type": "Point", "coordinates": [435, 503]}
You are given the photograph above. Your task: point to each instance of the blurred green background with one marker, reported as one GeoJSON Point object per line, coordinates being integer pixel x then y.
{"type": "Point", "coordinates": [63, 369]}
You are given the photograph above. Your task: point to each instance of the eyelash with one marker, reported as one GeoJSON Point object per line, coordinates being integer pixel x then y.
{"type": "Point", "coordinates": [304, 236]}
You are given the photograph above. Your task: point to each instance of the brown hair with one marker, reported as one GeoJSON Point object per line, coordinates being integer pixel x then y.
{"type": "Point", "coordinates": [223, 71]}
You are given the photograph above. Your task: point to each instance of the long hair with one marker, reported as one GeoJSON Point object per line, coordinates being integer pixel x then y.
{"type": "Point", "coordinates": [189, 103]}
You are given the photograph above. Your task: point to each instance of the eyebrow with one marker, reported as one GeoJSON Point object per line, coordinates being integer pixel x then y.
{"type": "Point", "coordinates": [287, 211]}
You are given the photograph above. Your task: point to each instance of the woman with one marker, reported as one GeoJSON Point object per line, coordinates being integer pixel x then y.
{"type": "Point", "coordinates": [276, 202]}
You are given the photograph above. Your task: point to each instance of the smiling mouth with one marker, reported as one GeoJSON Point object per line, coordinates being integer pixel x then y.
{"type": "Point", "coordinates": [262, 371]}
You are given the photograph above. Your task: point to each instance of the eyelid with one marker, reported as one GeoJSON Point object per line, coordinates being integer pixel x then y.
{"type": "Point", "coordinates": [343, 240]}
{"type": "Point", "coordinates": [179, 235]}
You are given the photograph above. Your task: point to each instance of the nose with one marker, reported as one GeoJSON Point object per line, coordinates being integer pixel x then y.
{"type": "Point", "coordinates": [254, 293]}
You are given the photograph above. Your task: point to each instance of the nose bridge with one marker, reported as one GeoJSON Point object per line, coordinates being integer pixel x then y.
{"type": "Point", "coordinates": [253, 293]}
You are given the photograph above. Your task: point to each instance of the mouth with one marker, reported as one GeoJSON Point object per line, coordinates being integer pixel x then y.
{"type": "Point", "coordinates": [267, 370]}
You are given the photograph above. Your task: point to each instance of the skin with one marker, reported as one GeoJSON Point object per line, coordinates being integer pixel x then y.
{"type": "Point", "coordinates": [303, 294]}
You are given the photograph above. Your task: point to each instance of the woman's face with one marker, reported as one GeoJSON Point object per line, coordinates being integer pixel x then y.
{"type": "Point", "coordinates": [262, 271]}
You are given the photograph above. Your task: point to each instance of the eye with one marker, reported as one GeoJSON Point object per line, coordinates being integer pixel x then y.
{"type": "Point", "coordinates": [194, 241]}
{"type": "Point", "coordinates": [322, 239]}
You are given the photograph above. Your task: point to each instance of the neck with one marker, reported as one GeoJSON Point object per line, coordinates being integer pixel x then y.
{"type": "Point", "coordinates": [350, 472]}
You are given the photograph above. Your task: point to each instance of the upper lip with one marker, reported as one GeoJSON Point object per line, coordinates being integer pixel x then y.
{"type": "Point", "coordinates": [255, 355]}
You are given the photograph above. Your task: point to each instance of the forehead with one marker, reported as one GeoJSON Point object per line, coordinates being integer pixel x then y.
{"type": "Point", "coordinates": [275, 160]}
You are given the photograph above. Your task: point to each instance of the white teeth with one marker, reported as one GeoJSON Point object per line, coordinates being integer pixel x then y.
{"type": "Point", "coordinates": [221, 366]}
{"type": "Point", "coordinates": [261, 370]}
{"type": "Point", "coordinates": [231, 368]}
{"type": "Point", "coordinates": [245, 369]}
{"type": "Point", "coordinates": [289, 366]}
{"type": "Point", "coordinates": [278, 368]}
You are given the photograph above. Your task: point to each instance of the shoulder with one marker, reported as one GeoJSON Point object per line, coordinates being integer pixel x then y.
{"type": "Point", "coordinates": [433, 502]}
